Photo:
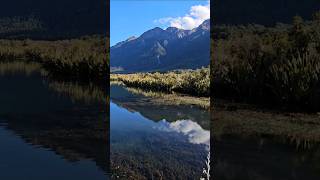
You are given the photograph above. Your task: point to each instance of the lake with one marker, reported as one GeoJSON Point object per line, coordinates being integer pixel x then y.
{"type": "Point", "coordinates": [151, 139]}
{"type": "Point", "coordinates": [51, 129]}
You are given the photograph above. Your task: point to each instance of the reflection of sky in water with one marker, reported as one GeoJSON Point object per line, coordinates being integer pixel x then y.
{"type": "Point", "coordinates": [195, 133]}
{"type": "Point", "coordinates": [122, 120]}
{"type": "Point", "coordinates": [145, 143]}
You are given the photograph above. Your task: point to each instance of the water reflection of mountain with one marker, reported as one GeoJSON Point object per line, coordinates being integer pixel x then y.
{"type": "Point", "coordinates": [145, 149]}
{"type": "Point", "coordinates": [67, 118]}
{"type": "Point", "coordinates": [156, 111]}
{"type": "Point", "coordinates": [159, 139]}
{"type": "Point", "coordinates": [75, 135]}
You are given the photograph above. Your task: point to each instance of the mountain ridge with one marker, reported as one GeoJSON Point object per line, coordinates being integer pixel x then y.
{"type": "Point", "coordinates": [156, 49]}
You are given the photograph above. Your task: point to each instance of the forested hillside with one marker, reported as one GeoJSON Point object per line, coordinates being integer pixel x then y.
{"type": "Point", "coordinates": [266, 12]}
{"type": "Point", "coordinates": [58, 19]}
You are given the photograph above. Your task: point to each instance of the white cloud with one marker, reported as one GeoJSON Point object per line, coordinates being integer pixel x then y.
{"type": "Point", "coordinates": [197, 14]}
{"type": "Point", "coordinates": [195, 133]}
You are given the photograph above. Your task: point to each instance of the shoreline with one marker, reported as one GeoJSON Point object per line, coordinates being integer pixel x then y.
{"type": "Point", "coordinates": [301, 129]}
{"type": "Point", "coordinates": [168, 98]}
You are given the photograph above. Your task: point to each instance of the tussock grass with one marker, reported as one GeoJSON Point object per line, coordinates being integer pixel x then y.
{"type": "Point", "coordinates": [85, 58]}
{"type": "Point", "coordinates": [278, 65]}
{"type": "Point", "coordinates": [173, 99]}
{"type": "Point", "coordinates": [191, 82]}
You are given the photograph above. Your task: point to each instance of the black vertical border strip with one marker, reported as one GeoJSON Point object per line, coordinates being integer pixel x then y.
{"type": "Point", "coordinates": [107, 105]}
{"type": "Point", "coordinates": [212, 18]}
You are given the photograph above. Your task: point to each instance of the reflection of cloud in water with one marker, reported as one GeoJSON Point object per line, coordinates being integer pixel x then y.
{"type": "Point", "coordinates": [196, 134]}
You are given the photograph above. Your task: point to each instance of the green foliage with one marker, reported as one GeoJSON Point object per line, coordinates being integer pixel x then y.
{"type": "Point", "coordinates": [276, 65]}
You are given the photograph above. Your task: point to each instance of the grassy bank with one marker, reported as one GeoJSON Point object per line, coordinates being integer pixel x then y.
{"type": "Point", "coordinates": [168, 99]}
{"type": "Point", "coordinates": [277, 65]}
{"type": "Point", "coordinates": [85, 58]}
{"type": "Point", "coordinates": [192, 82]}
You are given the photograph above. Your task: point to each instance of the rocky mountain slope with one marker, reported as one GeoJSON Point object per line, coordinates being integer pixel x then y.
{"type": "Point", "coordinates": [163, 49]}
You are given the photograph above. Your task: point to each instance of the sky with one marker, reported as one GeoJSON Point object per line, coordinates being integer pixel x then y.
{"type": "Point", "coordinates": [134, 17]}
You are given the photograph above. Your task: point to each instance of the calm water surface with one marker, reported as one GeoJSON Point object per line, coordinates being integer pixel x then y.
{"type": "Point", "coordinates": [152, 140]}
{"type": "Point", "coordinates": [264, 158]}
{"type": "Point", "coordinates": [48, 134]}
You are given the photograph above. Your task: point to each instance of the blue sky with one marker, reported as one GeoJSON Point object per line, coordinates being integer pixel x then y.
{"type": "Point", "coordinates": [133, 17]}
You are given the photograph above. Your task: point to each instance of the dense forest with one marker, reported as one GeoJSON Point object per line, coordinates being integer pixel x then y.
{"type": "Point", "coordinates": [16, 27]}
{"type": "Point", "coordinates": [278, 65]}
{"type": "Point", "coordinates": [60, 19]}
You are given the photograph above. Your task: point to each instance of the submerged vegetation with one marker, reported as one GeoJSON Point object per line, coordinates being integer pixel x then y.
{"type": "Point", "coordinates": [192, 82]}
{"type": "Point", "coordinates": [270, 65]}
{"type": "Point", "coordinates": [85, 58]}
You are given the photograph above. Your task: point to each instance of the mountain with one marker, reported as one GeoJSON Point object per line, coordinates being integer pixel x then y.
{"type": "Point", "coordinates": [162, 50]}
{"type": "Point", "coordinates": [59, 19]}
